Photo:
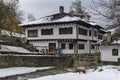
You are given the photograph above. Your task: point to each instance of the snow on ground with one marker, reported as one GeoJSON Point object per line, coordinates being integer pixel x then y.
{"type": "Point", "coordinates": [14, 49]}
{"type": "Point", "coordinates": [5, 72]}
{"type": "Point", "coordinates": [108, 73]}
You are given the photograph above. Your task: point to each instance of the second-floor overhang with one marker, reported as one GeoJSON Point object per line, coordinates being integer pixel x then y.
{"type": "Point", "coordinates": [80, 22]}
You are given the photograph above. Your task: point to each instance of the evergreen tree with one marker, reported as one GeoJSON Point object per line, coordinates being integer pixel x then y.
{"type": "Point", "coordinates": [10, 16]}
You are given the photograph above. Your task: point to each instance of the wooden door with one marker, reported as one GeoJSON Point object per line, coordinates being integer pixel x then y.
{"type": "Point", "coordinates": [52, 48]}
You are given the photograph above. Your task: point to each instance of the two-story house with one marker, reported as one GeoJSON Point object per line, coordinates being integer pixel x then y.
{"type": "Point", "coordinates": [67, 33]}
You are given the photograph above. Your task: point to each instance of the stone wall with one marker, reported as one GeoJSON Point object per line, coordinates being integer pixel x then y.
{"type": "Point", "coordinates": [34, 61]}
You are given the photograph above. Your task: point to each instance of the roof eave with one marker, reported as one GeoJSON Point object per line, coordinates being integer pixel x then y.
{"type": "Point", "coordinates": [76, 21]}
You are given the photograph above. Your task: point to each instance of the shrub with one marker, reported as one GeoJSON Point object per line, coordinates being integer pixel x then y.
{"type": "Point", "coordinates": [118, 61]}
{"type": "Point", "coordinates": [37, 50]}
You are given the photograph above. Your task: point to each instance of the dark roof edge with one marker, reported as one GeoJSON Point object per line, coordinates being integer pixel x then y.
{"type": "Point", "coordinates": [78, 22]}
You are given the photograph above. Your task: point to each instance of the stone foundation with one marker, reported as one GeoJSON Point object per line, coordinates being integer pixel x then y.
{"type": "Point", "coordinates": [34, 61]}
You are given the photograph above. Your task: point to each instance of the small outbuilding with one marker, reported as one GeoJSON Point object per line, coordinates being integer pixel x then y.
{"type": "Point", "coordinates": [110, 48]}
{"type": "Point", "coordinates": [110, 53]}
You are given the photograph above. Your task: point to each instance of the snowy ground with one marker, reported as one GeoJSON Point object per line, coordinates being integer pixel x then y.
{"type": "Point", "coordinates": [108, 73]}
{"type": "Point", "coordinates": [5, 72]}
{"type": "Point", "coordinates": [14, 49]}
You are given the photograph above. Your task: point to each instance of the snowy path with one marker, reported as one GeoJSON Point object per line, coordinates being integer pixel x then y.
{"type": "Point", "coordinates": [5, 72]}
{"type": "Point", "coordinates": [108, 73]}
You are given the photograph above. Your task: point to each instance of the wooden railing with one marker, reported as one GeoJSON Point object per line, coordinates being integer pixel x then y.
{"type": "Point", "coordinates": [86, 60]}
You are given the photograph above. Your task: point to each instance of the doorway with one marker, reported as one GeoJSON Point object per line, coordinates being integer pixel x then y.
{"type": "Point", "coordinates": [52, 48]}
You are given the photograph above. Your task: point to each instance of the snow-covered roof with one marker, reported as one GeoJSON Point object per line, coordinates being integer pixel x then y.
{"type": "Point", "coordinates": [112, 30]}
{"type": "Point", "coordinates": [116, 42]}
{"type": "Point", "coordinates": [92, 23]}
{"type": "Point", "coordinates": [49, 20]}
{"type": "Point", "coordinates": [100, 42]}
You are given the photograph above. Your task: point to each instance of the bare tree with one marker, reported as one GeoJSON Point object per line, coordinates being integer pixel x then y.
{"type": "Point", "coordinates": [76, 7]}
{"type": "Point", "coordinates": [31, 17]}
{"type": "Point", "coordinates": [110, 10]}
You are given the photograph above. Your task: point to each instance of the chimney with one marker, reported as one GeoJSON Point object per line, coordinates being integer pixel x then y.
{"type": "Point", "coordinates": [108, 37]}
{"type": "Point", "coordinates": [61, 9]}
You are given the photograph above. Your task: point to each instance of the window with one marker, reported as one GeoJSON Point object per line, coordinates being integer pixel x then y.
{"type": "Point", "coordinates": [46, 31]}
{"type": "Point", "coordinates": [32, 33]}
{"type": "Point", "coordinates": [70, 46]}
{"type": "Point", "coordinates": [95, 33]}
{"type": "Point", "coordinates": [65, 30]}
{"type": "Point", "coordinates": [115, 52]}
{"type": "Point", "coordinates": [100, 36]}
{"type": "Point", "coordinates": [90, 33]}
{"type": "Point", "coordinates": [62, 46]}
{"type": "Point", "coordinates": [81, 46]}
{"type": "Point", "coordinates": [92, 46]}
{"type": "Point", "coordinates": [82, 31]}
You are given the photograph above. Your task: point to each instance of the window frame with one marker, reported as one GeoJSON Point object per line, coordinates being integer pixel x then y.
{"type": "Point", "coordinates": [92, 46]}
{"type": "Point", "coordinates": [33, 33]}
{"type": "Point", "coordinates": [47, 31]}
{"type": "Point", "coordinates": [81, 46]}
{"type": "Point", "coordinates": [65, 30]}
{"type": "Point", "coordinates": [82, 31]}
{"type": "Point", "coordinates": [71, 48]}
{"type": "Point", "coordinates": [115, 52]}
{"type": "Point", "coordinates": [63, 47]}
{"type": "Point", "coordinates": [100, 36]}
{"type": "Point", "coordinates": [95, 33]}
{"type": "Point", "coordinates": [90, 33]}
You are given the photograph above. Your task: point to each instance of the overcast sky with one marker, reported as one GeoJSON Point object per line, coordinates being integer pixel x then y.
{"type": "Point", "coordinates": [41, 8]}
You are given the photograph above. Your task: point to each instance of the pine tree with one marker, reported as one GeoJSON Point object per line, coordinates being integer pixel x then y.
{"type": "Point", "coordinates": [10, 16]}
